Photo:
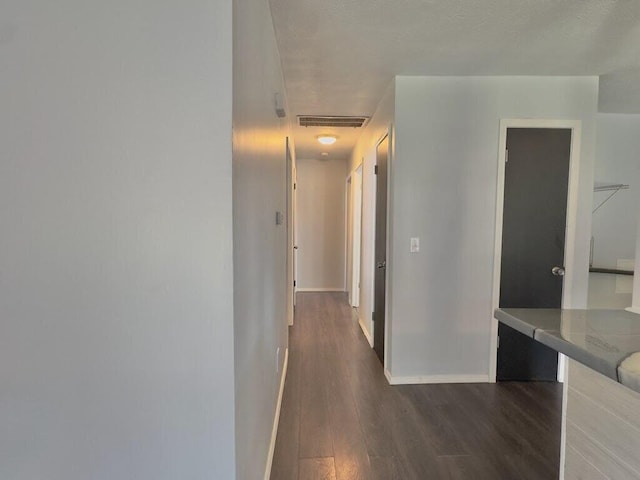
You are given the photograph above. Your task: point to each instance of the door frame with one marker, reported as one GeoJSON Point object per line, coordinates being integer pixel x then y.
{"type": "Point", "coordinates": [353, 223]}
{"type": "Point", "coordinates": [291, 230]}
{"type": "Point", "coordinates": [386, 134]}
{"type": "Point", "coordinates": [348, 237]}
{"type": "Point", "coordinates": [294, 219]}
{"type": "Point", "coordinates": [570, 230]}
{"type": "Point", "coordinates": [356, 234]}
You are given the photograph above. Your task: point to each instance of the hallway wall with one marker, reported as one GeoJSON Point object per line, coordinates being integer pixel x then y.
{"type": "Point", "coordinates": [116, 330]}
{"type": "Point", "coordinates": [259, 243]}
{"type": "Point", "coordinates": [321, 232]}
{"type": "Point", "coordinates": [443, 190]}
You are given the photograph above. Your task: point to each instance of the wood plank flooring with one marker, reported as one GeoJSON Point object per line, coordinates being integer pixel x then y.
{"type": "Point", "coordinates": [341, 420]}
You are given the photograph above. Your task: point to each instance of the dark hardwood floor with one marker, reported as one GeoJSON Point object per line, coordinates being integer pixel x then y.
{"type": "Point", "coordinates": [341, 420]}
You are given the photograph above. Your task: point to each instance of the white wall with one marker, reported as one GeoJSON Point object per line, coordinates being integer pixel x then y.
{"type": "Point", "coordinates": [610, 291]}
{"type": "Point", "coordinates": [443, 190]}
{"type": "Point", "coordinates": [260, 246]}
{"type": "Point", "coordinates": [617, 161]}
{"type": "Point", "coordinates": [365, 154]}
{"type": "Point", "coordinates": [321, 232]}
{"type": "Point", "coordinates": [636, 284]}
{"type": "Point", "coordinates": [116, 350]}
{"type": "Point", "coordinates": [614, 223]}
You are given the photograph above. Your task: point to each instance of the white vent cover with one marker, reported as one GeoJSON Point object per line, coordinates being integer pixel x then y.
{"type": "Point", "coordinates": [331, 121]}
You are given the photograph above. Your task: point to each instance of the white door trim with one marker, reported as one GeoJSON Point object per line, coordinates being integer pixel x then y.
{"type": "Point", "coordinates": [348, 237]}
{"type": "Point", "coordinates": [570, 232]}
{"type": "Point", "coordinates": [294, 213]}
{"type": "Point", "coordinates": [356, 235]}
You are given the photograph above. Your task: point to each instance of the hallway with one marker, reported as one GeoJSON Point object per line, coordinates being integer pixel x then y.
{"type": "Point", "coordinates": [341, 420]}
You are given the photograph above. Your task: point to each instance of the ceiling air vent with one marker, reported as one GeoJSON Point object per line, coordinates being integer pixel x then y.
{"type": "Point", "coordinates": [331, 121]}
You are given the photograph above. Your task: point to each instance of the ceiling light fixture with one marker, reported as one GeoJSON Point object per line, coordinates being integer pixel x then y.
{"type": "Point", "coordinates": [327, 139]}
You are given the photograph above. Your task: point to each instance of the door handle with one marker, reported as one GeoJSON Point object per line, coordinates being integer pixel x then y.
{"type": "Point", "coordinates": [558, 271]}
{"type": "Point", "coordinates": [381, 265]}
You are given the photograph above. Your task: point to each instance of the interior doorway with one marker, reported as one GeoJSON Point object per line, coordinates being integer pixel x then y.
{"type": "Point", "coordinates": [380, 249]}
{"type": "Point", "coordinates": [535, 232]}
{"type": "Point", "coordinates": [354, 235]}
{"type": "Point", "coordinates": [291, 234]}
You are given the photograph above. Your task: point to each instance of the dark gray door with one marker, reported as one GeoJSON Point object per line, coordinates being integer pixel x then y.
{"type": "Point", "coordinates": [533, 237]}
{"type": "Point", "coordinates": [379, 300]}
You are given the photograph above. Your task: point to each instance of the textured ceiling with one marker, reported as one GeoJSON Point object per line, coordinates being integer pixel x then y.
{"type": "Point", "coordinates": [338, 56]}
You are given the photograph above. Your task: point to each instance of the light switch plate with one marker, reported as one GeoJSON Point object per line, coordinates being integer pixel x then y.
{"type": "Point", "coordinates": [415, 245]}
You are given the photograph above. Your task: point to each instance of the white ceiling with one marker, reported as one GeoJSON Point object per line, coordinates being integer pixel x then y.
{"type": "Point", "coordinates": [338, 56]}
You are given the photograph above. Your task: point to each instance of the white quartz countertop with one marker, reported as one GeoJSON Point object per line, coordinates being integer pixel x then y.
{"type": "Point", "coordinates": [599, 339]}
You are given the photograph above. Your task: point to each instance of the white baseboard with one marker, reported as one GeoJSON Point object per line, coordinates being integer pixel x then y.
{"type": "Point", "coordinates": [276, 420]}
{"type": "Point", "coordinates": [426, 379]}
{"type": "Point", "coordinates": [633, 309]}
{"type": "Point", "coordinates": [367, 335]}
{"type": "Point", "coordinates": [337, 289]}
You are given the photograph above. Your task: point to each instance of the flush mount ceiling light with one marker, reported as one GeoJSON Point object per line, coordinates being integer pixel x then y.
{"type": "Point", "coordinates": [327, 139]}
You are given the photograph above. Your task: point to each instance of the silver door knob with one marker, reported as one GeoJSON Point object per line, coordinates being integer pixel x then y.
{"type": "Point", "coordinates": [558, 271]}
{"type": "Point", "coordinates": [382, 265]}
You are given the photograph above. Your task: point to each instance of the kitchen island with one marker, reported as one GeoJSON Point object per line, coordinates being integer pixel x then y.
{"type": "Point", "coordinates": [601, 404]}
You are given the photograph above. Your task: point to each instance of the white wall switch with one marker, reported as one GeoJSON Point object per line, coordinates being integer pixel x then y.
{"type": "Point", "coordinates": [415, 244]}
